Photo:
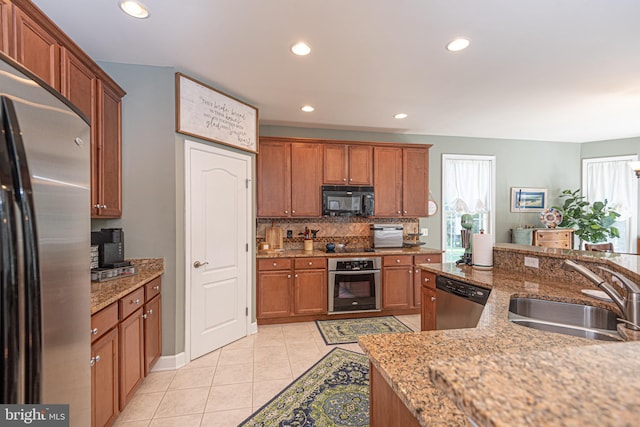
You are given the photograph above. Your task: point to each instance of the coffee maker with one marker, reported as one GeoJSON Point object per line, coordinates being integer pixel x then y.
{"type": "Point", "coordinates": [110, 243]}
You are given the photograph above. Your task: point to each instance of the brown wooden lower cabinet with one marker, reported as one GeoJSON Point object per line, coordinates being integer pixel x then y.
{"type": "Point", "coordinates": [131, 356]}
{"type": "Point", "coordinates": [428, 296]}
{"type": "Point", "coordinates": [152, 333]}
{"type": "Point", "coordinates": [385, 407]}
{"type": "Point", "coordinates": [291, 287]}
{"type": "Point", "coordinates": [126, 343]}
{"type": "Point", "coordinates": [417, 277]}
{"type": "Point", "coordinates": [105, 406]}
{"type": "Point", "coordinates": [295, 289]}
{"type": "Point", "coordinates": [310, 292]}
{"type": "Point", "coordinates": [104, 377]}
{"type": "Point", "coordinates": [397, 281]}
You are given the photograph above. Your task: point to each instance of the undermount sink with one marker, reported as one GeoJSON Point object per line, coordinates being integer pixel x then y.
{"type": "Point", "coordinates": [565, 318]}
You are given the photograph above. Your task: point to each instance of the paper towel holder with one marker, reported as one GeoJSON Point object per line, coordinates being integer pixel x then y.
{"type": "Point", "coordinates": [477, 245]}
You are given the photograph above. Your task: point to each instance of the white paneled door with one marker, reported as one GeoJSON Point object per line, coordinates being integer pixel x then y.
{"type": "Point", "coordinates": [217, 233]}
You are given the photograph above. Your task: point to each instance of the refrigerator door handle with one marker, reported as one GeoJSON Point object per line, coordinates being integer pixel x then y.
{"type": "Point", "coordinates": [32, 299]}
{"type": "Point", "coordinates": [9, 298]}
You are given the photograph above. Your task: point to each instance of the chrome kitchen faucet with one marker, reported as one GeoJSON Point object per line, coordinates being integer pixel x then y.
{"type": "Point", "coordinates": [629, 304]}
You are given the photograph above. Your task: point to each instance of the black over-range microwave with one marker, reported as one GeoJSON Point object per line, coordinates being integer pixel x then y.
{"type": "Point", "coordinates": [343, 200]}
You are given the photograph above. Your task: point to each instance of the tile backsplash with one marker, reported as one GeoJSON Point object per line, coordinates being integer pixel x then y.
{"type": "Point", "coordinates": [352, 231]}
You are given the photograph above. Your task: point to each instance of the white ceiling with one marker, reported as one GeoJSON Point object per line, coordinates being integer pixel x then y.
{"type": "Point", "coordinates": [555, 70]}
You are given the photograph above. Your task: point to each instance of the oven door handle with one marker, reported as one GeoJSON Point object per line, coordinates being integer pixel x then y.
{"type": "Point", "coordinates": [353, 272]}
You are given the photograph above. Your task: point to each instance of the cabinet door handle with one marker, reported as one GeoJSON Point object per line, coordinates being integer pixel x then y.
{"type": "Point", "coordinates": [286, 212]}
{"type": "Point", "coordinates": [405, 212]}
{"type": "Point", "coordinates": [94, 331]}
{"type": "Point", "coordinates": [433, 298]}
{"type": "Point", "coordinates": [398, 212]}
{"type": "Point", "coordinates": [288, 276]}
{"type": "Point", "coordinates": [150, 312]}
{"type": "Point", "coordinates": [428, 259]}
{"type": "Point", "coordinates": [135, 301]}
{"type": "Point", "coordinates": [426, 279]}
{"type": "Point", "coordinates": [293, 211]}
{"type": "Point", "coordinates": [310, 263]}
{"type": "Point", "coordinates": [156, 288]}
{"type": "Point", "coordinates": [92, 361]}
{"type": "Point", "coordinates": [397, 261]}
{"type": "Point", "coordinates": [144, 316]}
{"type": "Point", "coordinates": [296, 276]}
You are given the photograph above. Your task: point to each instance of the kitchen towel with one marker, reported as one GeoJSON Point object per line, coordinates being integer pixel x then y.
{"type": "Point", "coordinates": [482, 251]}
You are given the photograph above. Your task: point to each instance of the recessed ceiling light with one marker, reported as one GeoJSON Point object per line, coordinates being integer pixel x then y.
{"type": "Point", "coordinates": [400, 116]}
{"type": "Point", "coordinates": [134, 8]}
{"type": "Point", "coordinates": [458, 44]}
{"type": "Point", "coordinates": [307, 108]}
{"type": "Point", "coordinates": [301, 49]}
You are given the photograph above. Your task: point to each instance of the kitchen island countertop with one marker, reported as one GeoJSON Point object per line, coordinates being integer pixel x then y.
{"type": "Point", "coordinates": [500, 373]}
{"type": "Point", "coordinates": [108, 292]}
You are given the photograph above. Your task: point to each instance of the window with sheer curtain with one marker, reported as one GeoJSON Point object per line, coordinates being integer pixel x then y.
{"type": "Point", "coordinates": [612, 179]}
{"type": "Point", "coordinates": [468, 187]}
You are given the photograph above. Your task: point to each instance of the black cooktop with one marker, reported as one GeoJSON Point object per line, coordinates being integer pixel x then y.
{"type": "Point", "coordinates": [349, 250]}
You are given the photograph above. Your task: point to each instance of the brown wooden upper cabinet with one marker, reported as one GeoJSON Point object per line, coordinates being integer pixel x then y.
{"type": "Point", "coordinates": [36, 48]}
{"type": "Point", "coordinates": [291, 171]}
{"type": "Point", "coordinates": [5, 25]}
{"type": "Point", "coordinates": [401, 181]}
{"type": "Point", "coordinates": [78, 83]}
{"type": "Point", "coordinates": [415, 182]}
{"type": "Point", "coordinates": [348, 164]}
{"type": "Point", "coordinates": [32, 39]}
{"type": "Point", "coordinates": [289, 179]}
{"type": "Point", "coordinates": [106, 183]}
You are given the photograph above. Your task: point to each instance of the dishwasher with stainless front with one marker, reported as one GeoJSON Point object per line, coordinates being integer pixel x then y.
{"type": "Point", "coordinates": [459, 305]}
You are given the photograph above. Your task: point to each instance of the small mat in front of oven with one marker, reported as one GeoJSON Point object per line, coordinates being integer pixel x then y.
{"type": "Point", "coordinates": [346, 331]}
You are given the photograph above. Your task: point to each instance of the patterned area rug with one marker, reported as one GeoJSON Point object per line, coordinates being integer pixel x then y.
{"type": "Point", "coordinates": [346, 331]}
{"type": "Point", "coordinates": [333, 392]}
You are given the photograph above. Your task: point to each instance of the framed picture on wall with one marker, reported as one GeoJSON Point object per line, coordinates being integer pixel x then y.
{"type": "Point", "coordinates": [207, 113]}
{"type": "Point", "coordinates": [528, 199]}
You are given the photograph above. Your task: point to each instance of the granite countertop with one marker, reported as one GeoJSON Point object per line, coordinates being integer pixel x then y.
{"type": "Point", "coordinates": [353, 252]}
{"type": "Point", "coordinates": [500, 373]}
{"type": "Point", "coordinates": [108, 292]}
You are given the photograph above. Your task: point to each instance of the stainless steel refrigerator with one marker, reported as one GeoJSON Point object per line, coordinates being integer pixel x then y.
{"type": "Point", "coordinates": [44, 250]}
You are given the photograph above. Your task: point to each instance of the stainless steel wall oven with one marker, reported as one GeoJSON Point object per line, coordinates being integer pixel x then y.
{"type": "Point", "coordinates": [354, 284]}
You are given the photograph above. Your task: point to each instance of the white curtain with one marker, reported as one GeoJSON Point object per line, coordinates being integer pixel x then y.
{"type": "Point", "coordinates": [467, 185]}
{"type": "Point", "coordinates": [612, 179]}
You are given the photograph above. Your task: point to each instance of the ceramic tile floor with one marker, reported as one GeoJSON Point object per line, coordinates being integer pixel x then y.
{"type": "Point", "coordinates": [224, 387]}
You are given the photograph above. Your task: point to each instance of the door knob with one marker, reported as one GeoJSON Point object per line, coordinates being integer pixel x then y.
{"type": "Point", "coordinates": [199, 264]}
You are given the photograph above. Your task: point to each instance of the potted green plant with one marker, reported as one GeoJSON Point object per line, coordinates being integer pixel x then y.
{"type": "Point", "coordinates": [592, 222]}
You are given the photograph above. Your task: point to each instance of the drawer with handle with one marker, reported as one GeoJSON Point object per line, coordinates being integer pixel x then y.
{"type": "Point", "coordinates": [302, 263]}
{"type": "Point", "coordinates": [103, 321]}
{"type": "Point", "coordinates": [274, 264]}
{"type": "Point", "coordinates": [427, 259]}
{"type": "Point", "coordinates": [131, 302]}
{"type": "Point", "coordinates": [152, 289]}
